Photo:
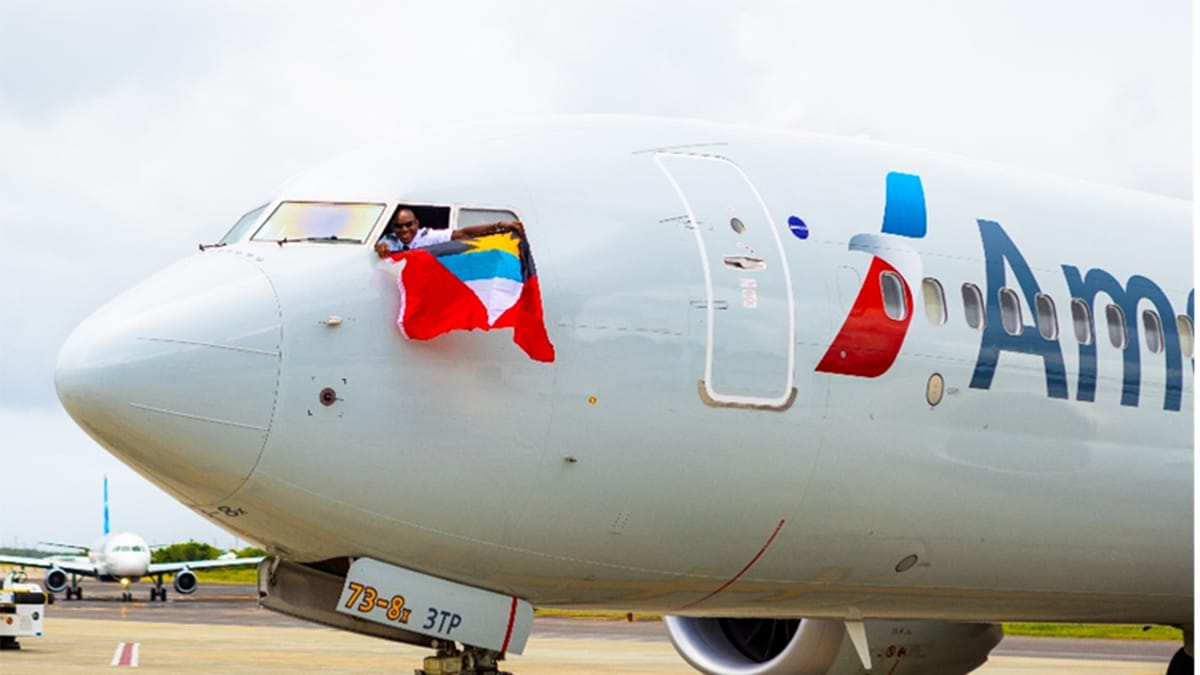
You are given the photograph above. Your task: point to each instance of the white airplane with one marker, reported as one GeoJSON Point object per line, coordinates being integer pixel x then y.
{"type": "Point", "coordinates": [119, 557]}
{"type": "Point", "coordinates": [828, 405]}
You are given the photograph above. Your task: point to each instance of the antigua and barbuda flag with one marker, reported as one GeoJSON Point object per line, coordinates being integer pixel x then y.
{"type": "Point", "coordinates": [483, 282]}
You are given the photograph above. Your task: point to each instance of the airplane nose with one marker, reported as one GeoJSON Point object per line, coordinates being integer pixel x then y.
{"type": "Point", "coordinates": [177, 376]}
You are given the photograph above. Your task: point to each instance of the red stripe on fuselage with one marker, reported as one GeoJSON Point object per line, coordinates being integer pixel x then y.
{"type": "Point", "coordinates": [745, 569]}
{"type": "Point", "coordinates": [870, 340]}
{"type": "Point", "coordinates": [512, 618]}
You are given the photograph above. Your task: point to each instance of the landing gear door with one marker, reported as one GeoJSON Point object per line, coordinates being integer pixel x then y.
{"type": "Point", "coordinates": [750, 353]}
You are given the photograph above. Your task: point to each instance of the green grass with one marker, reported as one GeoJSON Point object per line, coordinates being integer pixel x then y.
{"type": "Point", "coordinates": [249, 575]}
{"type": "Point", "coordinates": [1097, 631]}
{"type": "Point", "coordinates": [1100, 631]}
{"type": "Point", "coordinates": [228, 575]}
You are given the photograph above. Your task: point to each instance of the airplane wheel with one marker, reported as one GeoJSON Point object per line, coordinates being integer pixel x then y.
{"type": "Point", "coordinates": [1181, 664]}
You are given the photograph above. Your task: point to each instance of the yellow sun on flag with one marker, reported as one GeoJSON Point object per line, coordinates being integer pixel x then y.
{"type": "Point", "coordinates": [503, 241]}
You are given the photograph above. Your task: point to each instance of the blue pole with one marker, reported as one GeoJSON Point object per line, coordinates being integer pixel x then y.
{"type": "Point", "coordinates": [106, 504]}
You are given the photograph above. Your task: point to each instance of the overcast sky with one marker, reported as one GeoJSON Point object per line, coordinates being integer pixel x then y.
{"type": "Point", "coordinates": [131, 131]}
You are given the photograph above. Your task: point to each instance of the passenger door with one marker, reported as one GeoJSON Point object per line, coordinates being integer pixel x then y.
{"type": "Point", "coordinates": [750, 353]}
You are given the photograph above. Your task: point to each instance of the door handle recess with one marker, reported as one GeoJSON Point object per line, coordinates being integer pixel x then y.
{"type": "Point", "coordinates": [745, 262]}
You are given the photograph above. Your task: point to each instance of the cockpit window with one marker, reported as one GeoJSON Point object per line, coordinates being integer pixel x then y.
{"type": "Point", "coordinates": [238, 232]}
{"type": "Point", "coordinates": [320, 222]}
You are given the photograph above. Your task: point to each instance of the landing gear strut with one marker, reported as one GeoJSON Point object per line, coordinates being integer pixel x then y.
{"type": "Point", "coordinates": [468, 661]}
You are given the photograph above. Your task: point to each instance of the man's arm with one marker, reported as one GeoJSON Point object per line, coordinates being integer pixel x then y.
{"type": "Point", "coordinates": [488, 228]}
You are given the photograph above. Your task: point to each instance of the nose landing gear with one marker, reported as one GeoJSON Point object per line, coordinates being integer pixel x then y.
{"type": "Point", "coordinates": [469, 661]}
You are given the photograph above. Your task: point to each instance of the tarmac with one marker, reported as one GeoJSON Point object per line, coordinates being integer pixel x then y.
{"type": "Point", "coordinates": [221, 629]}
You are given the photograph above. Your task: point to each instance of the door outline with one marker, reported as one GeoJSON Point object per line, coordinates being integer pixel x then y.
{"type": "Point", "coordinates": [711, 397]}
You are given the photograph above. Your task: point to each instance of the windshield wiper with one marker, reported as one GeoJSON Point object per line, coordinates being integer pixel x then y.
{"type": "Point", "coordinates": [205, 247]}
{"type": "Point", "coordinates": [332, 237]}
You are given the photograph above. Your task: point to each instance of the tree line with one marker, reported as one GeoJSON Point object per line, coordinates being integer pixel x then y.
{"type": "Point", "coordinates": [198, 550]}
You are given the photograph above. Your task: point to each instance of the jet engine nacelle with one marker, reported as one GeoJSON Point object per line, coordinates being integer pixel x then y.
{"type": "Point", "coordinates": [820, 646]}
{"type": "Point", "coordinates": [185, 582]}
{"type": "Point", "coordinates": [56, 580]}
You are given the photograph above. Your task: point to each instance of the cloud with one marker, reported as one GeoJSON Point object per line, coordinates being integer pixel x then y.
{"type": "Point", "coordinates": [55, 492]}
{"type": "Point", "coordinates": [131, 131]}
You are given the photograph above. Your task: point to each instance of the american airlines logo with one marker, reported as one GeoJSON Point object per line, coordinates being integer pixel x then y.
{"type": "Point", "coordinates": [873, 333]}
{"type": "Point", "coordinates": [870, 339]}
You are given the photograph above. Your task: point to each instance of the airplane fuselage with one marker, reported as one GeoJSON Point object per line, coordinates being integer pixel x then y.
{"type": "Point", "coordinates": [120, 556]}
{"type": "Point", "coordinates": [697, 446]}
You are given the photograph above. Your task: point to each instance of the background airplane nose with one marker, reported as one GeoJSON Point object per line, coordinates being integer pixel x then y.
{"type": "Point", "coordinates": [177, 376]}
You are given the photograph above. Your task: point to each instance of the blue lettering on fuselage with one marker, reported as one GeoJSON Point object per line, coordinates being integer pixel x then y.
{"type": "Point", "coordinates": [999, 251]}
{"type": "Point", "coordinates": [1137, 289]}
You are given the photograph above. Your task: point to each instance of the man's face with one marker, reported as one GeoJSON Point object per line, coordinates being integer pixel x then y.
{"type": "Point", "coordinates": [405, 226]}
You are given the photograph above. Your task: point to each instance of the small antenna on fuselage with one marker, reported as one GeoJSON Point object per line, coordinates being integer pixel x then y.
{"type": "Point", "coordinates": [106, 504]}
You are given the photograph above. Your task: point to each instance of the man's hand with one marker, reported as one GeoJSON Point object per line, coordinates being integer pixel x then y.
{"type": "Point", "coordinates": [382, 249]}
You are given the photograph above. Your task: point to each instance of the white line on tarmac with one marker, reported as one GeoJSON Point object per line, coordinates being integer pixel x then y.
{"type": "Point", "coordinates": [126, 654]}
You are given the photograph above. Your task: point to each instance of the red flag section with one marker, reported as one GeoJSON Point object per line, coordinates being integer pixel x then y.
{"type": "Point", "coordinates": [435, 298]}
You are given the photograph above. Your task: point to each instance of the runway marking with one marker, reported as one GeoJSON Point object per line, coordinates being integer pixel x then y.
{"type": "Point", "coordinates": [745, 569]}
{"type": "Point", "coordinates": [126, 655]}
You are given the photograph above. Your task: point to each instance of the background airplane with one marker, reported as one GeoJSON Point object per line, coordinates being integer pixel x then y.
{"type": "Point", "coordinates": [119, 557]}
{"type": "Point", "coordinates": [829, 405]}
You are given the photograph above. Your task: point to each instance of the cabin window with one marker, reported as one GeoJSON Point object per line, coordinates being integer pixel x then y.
{"type": "Point", "coordinates": [1047, 318]}
{"type": "Point", "coordinates": [935, 301]}
{"type": "Point", "coordinates": [1081, 316]}
{"type": "Point", "coordinates": [429, 217]}
{"type": "Point", "coordinates": [1152, 326]}
{"type": "Point", "coordinates": [469, 217]}
{"type": "Point", "coordinates": [973, 306]}
{"type": "Point", "coordinates": [893, 296]}
{"type": "Point", "coordinates": [322, 222]}
{"type": "Point", "coordinates": [1116, 326]}
{"type": "Point", "coordinates": [1010, 311]}
{"type": "Point", "coordinates": [1187, 336]}
{"type": "Point", "coordinates": [239, 229]}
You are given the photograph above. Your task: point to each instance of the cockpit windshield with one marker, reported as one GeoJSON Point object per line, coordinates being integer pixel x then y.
{"type": "Point", "coordinates": [320, 222]}
{"type": "Point", "coordinates": [239, 228]}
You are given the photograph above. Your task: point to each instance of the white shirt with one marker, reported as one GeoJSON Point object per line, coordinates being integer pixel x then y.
{"type": "Point", "coordinates": [427, 237]}
{"type": "Point", "coordinates": [423, 238]}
